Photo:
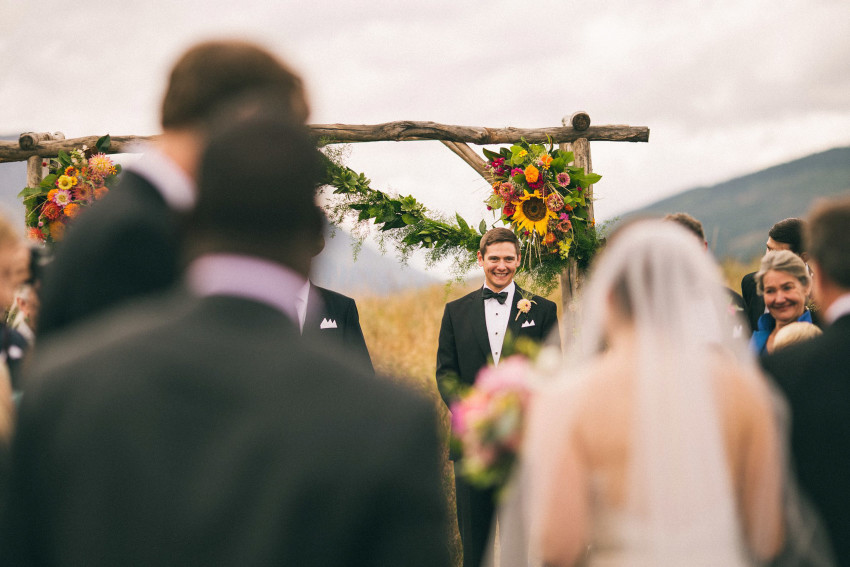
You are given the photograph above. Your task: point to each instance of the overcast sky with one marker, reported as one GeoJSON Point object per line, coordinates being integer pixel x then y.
{"type": "Point", "coordinates": [726, 87]}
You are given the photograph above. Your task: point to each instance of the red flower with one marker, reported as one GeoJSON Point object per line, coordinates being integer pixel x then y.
{"type": "Point", "coordinates": [51, 210]}
{"type": "Point", "coordinates": [34, 233]}
{"type": "Point", "coordinates": [509, 209]}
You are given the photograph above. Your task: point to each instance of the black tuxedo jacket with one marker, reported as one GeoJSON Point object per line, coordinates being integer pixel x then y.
{"type": "Point", "coordinates": [753, 302]}
{"type": "Point", "coordinates": [181, 433]}
{"type": "Point", "coordinates": [337, 321]}
{"type": "Point", "coordinates": [122, 248]}
{"type": "Point", "coordinates": [815, 377]}
{"type": "Point", "coordinates": [464, 346]}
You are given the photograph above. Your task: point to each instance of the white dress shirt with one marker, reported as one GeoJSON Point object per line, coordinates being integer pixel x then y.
{"type": "Point", "coordinates": [175, 186]}
{"type": "Point", "coordinates": [839, 308]}
{"type": "Point", "coordinates": [496, 316]}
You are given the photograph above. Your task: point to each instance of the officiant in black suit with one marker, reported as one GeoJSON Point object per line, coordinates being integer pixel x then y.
{"type": "Point", "coordinates": [179, 431]}
{"type": "Point", "coordinates": [127, 245]}
{"type": "Point", "coordinates": [472, 333]}
{"type": "Point", "coordinates": [815, 377]}
{"type": "Point", "coordinates": [324, 314]}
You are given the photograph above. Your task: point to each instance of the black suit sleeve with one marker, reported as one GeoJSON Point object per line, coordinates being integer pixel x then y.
{"type": "Point", "coordinates": [354, 339]}
{"type": "Point", "coordinates": [412, 505]}
{"type": "Point", "coordinates": [448, 367]}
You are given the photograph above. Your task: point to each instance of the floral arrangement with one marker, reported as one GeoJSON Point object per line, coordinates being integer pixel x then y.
{"type": "Point", "coordinates": [543, 199]}
{"type": "Point", "coordinates": [75, 181]}
{"type": "Point", "coordinates": [488, 421]}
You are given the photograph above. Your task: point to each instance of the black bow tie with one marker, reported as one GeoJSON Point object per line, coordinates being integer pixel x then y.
{"type": "Point", "coordinates": [501, 297]}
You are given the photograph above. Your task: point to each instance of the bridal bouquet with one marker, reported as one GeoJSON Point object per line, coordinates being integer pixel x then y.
{"type": "Point", "coordinates": [543, 199]}
{"type": "Point", "coordinates": [488, 421]}
{"type": "Point", "coordinates": [75, 181]}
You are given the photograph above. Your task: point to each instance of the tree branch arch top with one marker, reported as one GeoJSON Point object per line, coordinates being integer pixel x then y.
{"type": "Point", "coordinates": [399, 131]}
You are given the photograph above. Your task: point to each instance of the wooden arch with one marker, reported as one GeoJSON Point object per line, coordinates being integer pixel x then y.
{"type": "Point", "coordinates": [574, 135]}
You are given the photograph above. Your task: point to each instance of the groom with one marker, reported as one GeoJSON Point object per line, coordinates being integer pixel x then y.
{"type": "Point", "coordinates": [472, 334]}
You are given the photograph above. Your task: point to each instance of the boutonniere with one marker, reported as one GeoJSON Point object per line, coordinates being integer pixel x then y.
{"type": "Point", "coordinates": [524, 304]}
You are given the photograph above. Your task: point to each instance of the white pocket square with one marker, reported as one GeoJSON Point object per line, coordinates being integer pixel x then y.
{"type": "Point", "coordinates": [328, 324]}
{"type": "Point", "coordinates": [528, 324]}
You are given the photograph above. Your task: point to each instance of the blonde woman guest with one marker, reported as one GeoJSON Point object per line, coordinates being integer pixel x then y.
{"type": "Point", "coordinates": [784, 282]}
{"type": "Point", "coordinates": [794, 333]}
{"type": "Point", "coordinates": [9, 247]}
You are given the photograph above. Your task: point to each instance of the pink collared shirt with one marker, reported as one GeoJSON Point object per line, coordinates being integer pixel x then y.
{"type": "Point", "coordinates": [248, 277]}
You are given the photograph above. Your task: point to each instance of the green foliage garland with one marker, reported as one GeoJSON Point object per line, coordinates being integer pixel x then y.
{"type": "Point", "coordinates": [410, 226]}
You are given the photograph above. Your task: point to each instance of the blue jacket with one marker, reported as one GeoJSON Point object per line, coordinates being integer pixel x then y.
{"type": "Point", "coordinates": [766, 325]}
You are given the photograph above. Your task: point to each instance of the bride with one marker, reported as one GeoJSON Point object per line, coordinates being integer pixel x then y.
{"type": "Point", "coordinates": [659, 444]}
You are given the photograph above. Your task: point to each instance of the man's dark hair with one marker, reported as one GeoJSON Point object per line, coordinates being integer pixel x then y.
{"type": "Point", "coordinates": [828, 238]}
{"type": "Point", "coordinates": [211, 73]}
{"type": "Point", "coordinates": [790, 231]}
{"type": "Point", "coordinates": [257, 185]}
{"type": "Point", "coordinates": [495, 235]}
{"type": "Point", "coordinates": [688, 222]}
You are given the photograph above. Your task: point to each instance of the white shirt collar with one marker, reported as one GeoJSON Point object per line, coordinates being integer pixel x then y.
{"type": "Point", "coordinates": [249, 277]}
{"type": "Point", "coordinates": [175, 186]}
{"type": "Point", "coordinates": [838, 309]}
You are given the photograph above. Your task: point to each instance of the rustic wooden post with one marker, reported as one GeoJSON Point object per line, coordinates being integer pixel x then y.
{"type": "Point", "coordinates": [28, 141]}
{"type": "Point", "coordinates": [572, 278]}
{"type": "Point", "coordinates": [35, 171]}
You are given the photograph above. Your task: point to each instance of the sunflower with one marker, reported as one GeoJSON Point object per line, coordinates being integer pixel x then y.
{"type": "Point", "coordinates": [532, 214]}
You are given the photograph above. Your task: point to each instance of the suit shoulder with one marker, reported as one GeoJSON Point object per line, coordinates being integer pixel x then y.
{"type": "Point", "coordinates": [464, 300]}
{"type": "Point", "coordinates": [329, 295]}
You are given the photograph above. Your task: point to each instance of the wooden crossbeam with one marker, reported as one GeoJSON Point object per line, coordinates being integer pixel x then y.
{"type": "Point", "coordinates": [347, 133]}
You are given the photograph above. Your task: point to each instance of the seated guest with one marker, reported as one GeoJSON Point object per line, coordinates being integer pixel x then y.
{"type": "Point", "coordinates": [784, 282]}
{"type": "Point", "coordinates": [794, 333]}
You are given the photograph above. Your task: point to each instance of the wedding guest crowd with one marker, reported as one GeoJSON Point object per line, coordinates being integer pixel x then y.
{"type": "Point", "coordinates": [814, 375]}
{"type": "Point", "coordinates": [194, 399]}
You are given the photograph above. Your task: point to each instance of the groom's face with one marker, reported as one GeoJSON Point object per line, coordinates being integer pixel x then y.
{"type": "Point", "coordinates": [500, 261]}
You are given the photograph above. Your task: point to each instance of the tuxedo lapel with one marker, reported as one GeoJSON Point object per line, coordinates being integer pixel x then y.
{"type": "Point", "coordinates": [315, 312]}
{"type": "Point", "coordinates": [514, 325]}
{"type": "Point", "coordinates": [479, 322]}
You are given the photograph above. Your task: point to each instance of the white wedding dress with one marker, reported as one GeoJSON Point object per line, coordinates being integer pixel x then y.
{"type": "Point", "coordinates": [697, 451]}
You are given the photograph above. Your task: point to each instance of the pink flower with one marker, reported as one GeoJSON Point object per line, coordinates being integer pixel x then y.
{"type": "Point", "coordinates": [563, 179]}
{"type": "Point", "coordinates": [517, 171]}
{"type": "Point", "coordinates": [507, 191]}
{"type": "Point", "coordinates": [554, 202]}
